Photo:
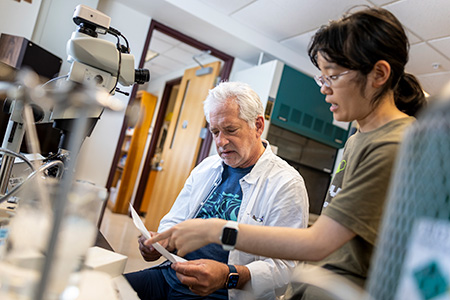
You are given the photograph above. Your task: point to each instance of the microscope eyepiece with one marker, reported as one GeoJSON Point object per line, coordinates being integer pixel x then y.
{"type": "Point", "coordinates": [141, 76]}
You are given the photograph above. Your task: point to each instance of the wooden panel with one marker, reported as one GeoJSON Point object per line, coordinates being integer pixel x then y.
{"type": "Point", "coordinates": [182, 144]}
{"type": "Point", "coordinates": [148, 190]}
{"type": "Point", "coordinates": [12, 49]}
{"type": "Point", "coordinates": [18, 52]}
{"type": "Point", "coordinates": [135, 152]}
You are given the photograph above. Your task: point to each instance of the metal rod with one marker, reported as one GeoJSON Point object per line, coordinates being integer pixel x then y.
{"type": "Point", "coordinates": [5, 173]}
{"type": "Point", "coordinates": [6, 167]}
{"type": "Point", "coordinates": [60, 201]}
{"type": "Point", "coordinates": [18, 155]}
{"type": "Point", "coordinates": [17, 188]}
{"type": "Point", "coordinates": [12, 141]}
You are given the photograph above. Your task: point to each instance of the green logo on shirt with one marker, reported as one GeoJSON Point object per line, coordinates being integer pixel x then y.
{"type": "Point", "coordinates": [341, 166]}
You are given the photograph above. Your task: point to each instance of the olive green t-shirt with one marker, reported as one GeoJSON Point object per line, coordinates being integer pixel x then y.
{"type": "Point", "coordinates": [355, 200]}
{"type": "Point", "coordinates": [357, 194]}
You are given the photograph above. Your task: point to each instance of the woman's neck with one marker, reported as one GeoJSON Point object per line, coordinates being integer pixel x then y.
{"type": "Point", "coordinates": [383, 113]}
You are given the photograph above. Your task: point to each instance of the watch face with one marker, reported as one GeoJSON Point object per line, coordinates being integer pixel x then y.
{"type": "Point", "coordinates": [232, 281]}
{"type": "Point", "coordinates": [229, 236]}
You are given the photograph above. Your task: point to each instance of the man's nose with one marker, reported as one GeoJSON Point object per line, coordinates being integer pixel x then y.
{"type": "Point", "coordinates": [221, 140]}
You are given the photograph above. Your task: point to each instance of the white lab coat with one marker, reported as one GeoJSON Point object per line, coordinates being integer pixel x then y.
{"type": "Point", "coordinates": [274, 194]}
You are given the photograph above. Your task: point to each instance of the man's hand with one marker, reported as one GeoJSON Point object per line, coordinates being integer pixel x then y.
{"type": "Point", "coordinates": [148, 252]}
{"type": "Point", "coordinates": [203, 276]}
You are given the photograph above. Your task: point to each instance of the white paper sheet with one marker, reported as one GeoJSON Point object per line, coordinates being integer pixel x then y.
{"type": "Point", "coordinates": [139, 225]}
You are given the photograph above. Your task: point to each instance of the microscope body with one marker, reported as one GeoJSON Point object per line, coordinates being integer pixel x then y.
{"type": "Point", "coordinates": [97, 60]}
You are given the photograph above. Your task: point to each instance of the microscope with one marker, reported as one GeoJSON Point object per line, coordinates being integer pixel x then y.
{"type": "Point", "coordinates": [96, 64]}
{"type": "Point", "coordinates": [99, 61]}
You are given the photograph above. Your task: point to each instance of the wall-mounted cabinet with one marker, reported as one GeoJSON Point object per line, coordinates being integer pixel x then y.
{"type": "Point", "coordinates": [312, 159]}
{"type": "Point", "coordinates": [300, 107]}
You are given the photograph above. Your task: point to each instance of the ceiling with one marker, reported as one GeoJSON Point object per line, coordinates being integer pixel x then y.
{"type": "Point", "coordinates": [282, 29]}
{"type": "Point", "coordinates": [172, 56]}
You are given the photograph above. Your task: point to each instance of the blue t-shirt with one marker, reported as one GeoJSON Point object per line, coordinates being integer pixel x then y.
{"type": "Point", "coordinates": [224, 203]}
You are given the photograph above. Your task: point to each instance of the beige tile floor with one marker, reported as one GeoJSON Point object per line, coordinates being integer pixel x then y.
{"type": "Point", "coordinates": [122, 235]}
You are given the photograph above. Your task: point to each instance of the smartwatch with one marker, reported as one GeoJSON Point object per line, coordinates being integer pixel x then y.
{"type": "Point", "coordinates": [229, 235]}
{"type": "Point", "coordinates": [233, 278]}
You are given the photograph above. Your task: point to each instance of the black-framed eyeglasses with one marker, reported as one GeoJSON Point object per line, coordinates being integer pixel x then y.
{"type": "Point", "coordinates": [328, 80]}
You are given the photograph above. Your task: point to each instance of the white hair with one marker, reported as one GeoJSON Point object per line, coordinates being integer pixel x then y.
{"type": "Point", "coordinates": [250, 106]}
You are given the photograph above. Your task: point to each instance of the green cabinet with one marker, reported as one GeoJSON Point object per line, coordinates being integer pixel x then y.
{"type": "Point", "coordinates": [301, 108]}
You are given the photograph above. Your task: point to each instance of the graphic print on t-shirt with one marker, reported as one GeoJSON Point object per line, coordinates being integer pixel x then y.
{"type": "Point", "coordinates": [224, 206]}
{"type": "Point", "coordinates": [225, 201]}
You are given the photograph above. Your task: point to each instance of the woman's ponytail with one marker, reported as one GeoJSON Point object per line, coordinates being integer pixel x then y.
{"type": "Point", "coordinates": [408, 95]}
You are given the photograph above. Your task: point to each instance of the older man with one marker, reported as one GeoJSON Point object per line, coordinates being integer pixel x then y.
{"type": "Point", "coordinates": [246, 183]}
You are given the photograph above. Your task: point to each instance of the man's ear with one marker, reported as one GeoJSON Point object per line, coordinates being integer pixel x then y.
{"type": "Point", "coordinates": [259, 123]}
{"type": "Point", "coordinates": [380, 73]}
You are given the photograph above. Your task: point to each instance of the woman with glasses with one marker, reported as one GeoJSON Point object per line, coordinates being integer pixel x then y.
{"type": "Point", "coordinates": [362, 58]}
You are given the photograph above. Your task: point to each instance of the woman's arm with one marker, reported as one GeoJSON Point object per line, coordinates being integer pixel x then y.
{"type": "Point", "coordinates": [313, 243]}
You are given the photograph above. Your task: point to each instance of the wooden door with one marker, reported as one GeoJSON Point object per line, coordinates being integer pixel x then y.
{"type": "Point", "coordinates": [135, 152]}
{"type": "Point", "coordinates": [182, 143]}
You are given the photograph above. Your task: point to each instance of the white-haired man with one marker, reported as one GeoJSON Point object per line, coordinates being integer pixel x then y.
{"type": "Point", "coordinates": [245, 183]}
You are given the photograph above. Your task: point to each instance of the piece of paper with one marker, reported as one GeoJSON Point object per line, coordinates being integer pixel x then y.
{"type": "Point", "coordinates": [140, 225]}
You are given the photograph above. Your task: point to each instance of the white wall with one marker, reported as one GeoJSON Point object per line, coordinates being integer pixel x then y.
{"type": "Point", "coordinates": [18, 18]}
{"type": "Point", "coordinates": [264, 79]}
{"type": "Point", "coordinates": [54, 26]}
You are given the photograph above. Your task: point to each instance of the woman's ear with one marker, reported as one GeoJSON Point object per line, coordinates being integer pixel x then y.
{"type": "Point", "coordinates": [380, 73]}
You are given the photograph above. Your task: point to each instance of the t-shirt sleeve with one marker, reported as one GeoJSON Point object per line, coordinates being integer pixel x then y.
{"type": "Point", "coordinates": [359, 204]}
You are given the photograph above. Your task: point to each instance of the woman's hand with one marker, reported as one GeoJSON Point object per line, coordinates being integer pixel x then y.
{"type": "Point", "coordinates": [190, 235]}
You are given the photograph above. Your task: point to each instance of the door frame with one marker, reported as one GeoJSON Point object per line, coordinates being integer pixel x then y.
{"type": "Point", "coordinates": [204, 149]}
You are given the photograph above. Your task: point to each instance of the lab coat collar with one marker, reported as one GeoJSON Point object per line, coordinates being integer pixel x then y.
{"type": "Point", "coordinates": [254, 175]}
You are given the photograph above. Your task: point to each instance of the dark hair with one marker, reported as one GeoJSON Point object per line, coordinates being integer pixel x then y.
{"type": "Point", "coordinates": [359, 40]}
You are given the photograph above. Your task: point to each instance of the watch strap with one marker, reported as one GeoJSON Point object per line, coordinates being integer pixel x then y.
{"type": "Point", "coordinates": [232, 278]}
{"type": "Point", "coordinates": [232, 269]}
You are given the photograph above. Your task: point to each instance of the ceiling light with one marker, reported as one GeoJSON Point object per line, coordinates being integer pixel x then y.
{"type": "Point", "coordinates": [150, 55]}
